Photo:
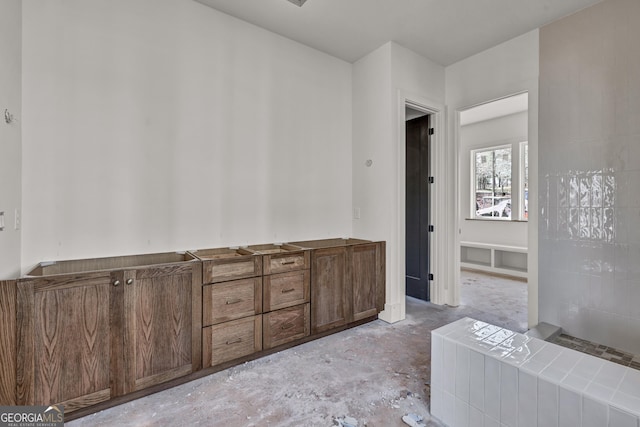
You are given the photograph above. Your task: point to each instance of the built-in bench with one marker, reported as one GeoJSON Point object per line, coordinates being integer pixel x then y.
{"type": "Point", "coordinates": [484, 375]}
{"type": "Point", "coordinates": [501, 259]}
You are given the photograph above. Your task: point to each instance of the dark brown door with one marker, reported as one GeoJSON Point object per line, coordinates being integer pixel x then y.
{"type": "Point", "coordinates": [417, 208]}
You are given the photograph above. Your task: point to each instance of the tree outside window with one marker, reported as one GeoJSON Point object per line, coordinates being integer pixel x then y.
{"type": "Point", "coordinates": [524, 150]}
{"type": "Point", "coordinates": [492, 177]}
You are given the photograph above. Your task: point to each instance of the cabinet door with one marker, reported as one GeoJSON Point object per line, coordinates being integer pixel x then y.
{"type": "Point", "coordinates": [161, 318]}
{"type": "Point", "coordinates": [330, 303]}
{"type": "Point", "coordinates": [364, 280]}
{"type": "Point", "coordinates": [63, 340]}
{"type": "Point", "coordinates": [8, 342]}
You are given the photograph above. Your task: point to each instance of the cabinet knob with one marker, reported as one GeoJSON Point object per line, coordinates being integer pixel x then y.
{"type": "Point", "coordinates": [116, 283]}
{"type": "Point", "coordinates": [129, 281]}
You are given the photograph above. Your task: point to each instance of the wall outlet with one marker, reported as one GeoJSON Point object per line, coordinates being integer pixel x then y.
{"type": "Point", "coordinates": [18, 219]}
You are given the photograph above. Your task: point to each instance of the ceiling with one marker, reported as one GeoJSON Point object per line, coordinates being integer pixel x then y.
{"type": "Point", "coordinates": [494, 109]}
{"type": "Point", "coordinates": [444, 31]}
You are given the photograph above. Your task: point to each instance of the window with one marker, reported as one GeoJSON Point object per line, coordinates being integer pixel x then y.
{"type": "Point", "coordinates": [492, 182]}
{"type": "Point", "coordinates": [524, 168]}
{"type": "Point", "coordinates": [500, 175]}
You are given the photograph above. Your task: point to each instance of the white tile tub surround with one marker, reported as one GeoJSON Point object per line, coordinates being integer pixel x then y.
{"type": "Point", "coordinates": [588, 170]}
{"type": "Point", "coordinates": [484, 375]}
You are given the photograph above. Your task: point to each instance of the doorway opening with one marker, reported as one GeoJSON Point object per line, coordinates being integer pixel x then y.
{"type": "Point", "coordinates": [493, 206]}
{"type": "Point", "coordinates": [418, 131]}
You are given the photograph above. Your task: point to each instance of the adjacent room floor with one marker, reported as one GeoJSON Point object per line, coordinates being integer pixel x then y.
{"type": "Point", "coordinates": [375, 373]}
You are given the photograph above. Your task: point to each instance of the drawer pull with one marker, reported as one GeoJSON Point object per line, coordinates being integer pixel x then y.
{"type": "Point", "coordinates": [288, 262]}
{"type": "Point", "coordinates": [286, 291]}
{"type": "Point", "coordinates": [236, 341]}
{"type": "Point", "coordinates": [233, 301]}
{"type": "Point", "coordinates": [286, 326]}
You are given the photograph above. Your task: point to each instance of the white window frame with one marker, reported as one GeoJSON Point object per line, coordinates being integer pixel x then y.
{"type": "Point", "coordinates": [522, 147]}
{"type": "Point", "coordinates": [472, 196]}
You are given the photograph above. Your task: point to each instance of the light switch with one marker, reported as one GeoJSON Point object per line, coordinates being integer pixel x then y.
{"type": "Point", "coordinates": [1, 221]}
{"type": "Point", "coordinates": [17, 220]}
{"type": "Point", "coordinates": [356, 213]}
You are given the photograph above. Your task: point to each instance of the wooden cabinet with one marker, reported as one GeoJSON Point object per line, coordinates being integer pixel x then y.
{"type": "Point", "coordinates": [232, 320]}
{"type": "Point", "coordinates": [223, 264]}
{"type": "Point", "coordinates": [83, 338]}
{"type": "Point", "coordinates": [85, 332]}
{"type": "Point", "coordinates": [367, 265]}
{"type": "Point", "coordinates": [285, 325]}
{"type": "Point", "coordinates": [231, 340]}
{"type": "Point", "coordinates": [159, 339]}
{"type": "Point", "coordinates": [330, 306]}
{"type": "Point", "coordinates": [286, 281]}
{"type": "Point", "coordinates": [64, 352]}
{"type": "Point", "coordinates": [222, 302]}
{"type": "Point", "coordinates": [8, 309]}
{"type": "Point", "coordinates": [347, 281]}
{"type": "Point", "coordinates": [284, 290]}
{"type": "Point", "coordinates": [278, 258]}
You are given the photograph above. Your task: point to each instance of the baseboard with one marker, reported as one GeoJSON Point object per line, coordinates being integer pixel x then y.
{"type": "Point", "coordinates": [393, 313]}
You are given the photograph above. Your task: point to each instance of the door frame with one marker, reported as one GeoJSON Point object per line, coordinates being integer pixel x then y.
{"type": "Point", "coordinates": [421, 281]}
{"type": "Point", "coordinates": [442, 242]}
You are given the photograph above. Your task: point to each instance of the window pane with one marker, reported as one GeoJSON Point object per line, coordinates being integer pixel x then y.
{"type": "Point", "coordinates": [493, 183]}
{"type": "Point", "coordinates": [525, 181]}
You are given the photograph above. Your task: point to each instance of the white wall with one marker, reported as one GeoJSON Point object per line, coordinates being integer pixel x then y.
{"type": "Point", "coordinates": [161, 125]}
{"type": "Point", "coordinates": [377, 80]}
{"type": "Point", "coordinates": [506, 69]}
{"type": "Point", "coordinates": [10, 134]}
{"type": "Point", "coordinates": [589, 174]}
{"type": "Point", "coordinates": [506, 130]}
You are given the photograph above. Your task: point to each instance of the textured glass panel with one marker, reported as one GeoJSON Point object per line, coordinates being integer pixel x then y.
{"type": "Point", "coordinates": [609, 191]}
{"type": "Point", "coordinates": [596, 191]}
{"type": "Point", "coordinates": [574, 224]}
{"type": "Point", "coordinates": [596, 223]}
{"type": "Point", "coordinates": [563, 200]}
{"type": "Point", "coordinates": [622, 189]}
{"type": "Point", "coordinates": [608, 225]}
{"type": "Point", "coordinates": [585, 223]}
{"type": "Point", "coordinates": [543, 202]}
{"type": "Point", "coordinates": [574, 192]}
{"type": "Point", "coordinates": [585, 191]}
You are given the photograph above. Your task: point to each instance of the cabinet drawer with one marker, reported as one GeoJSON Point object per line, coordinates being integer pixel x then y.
{"type": "Point", "coordinates": [226, 301]}
{"type": "Point", "coordinates": [222, 270]}
{"type": "Point", "coordinates": [215, 271]}
{"type": "Point", "coordinates": [286, 290]}
{"type": "Point", "coordinates": [283, 326]}
{"type": "Point", "coordinates": [288, 261]}
{"type": "Point", "coordinates": [231, 340]}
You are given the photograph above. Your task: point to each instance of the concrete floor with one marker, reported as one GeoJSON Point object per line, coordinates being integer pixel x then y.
{"type": "Point", "coordinates": [501, 295]}
{"type": "Point", "coordinates": [375, 373]}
